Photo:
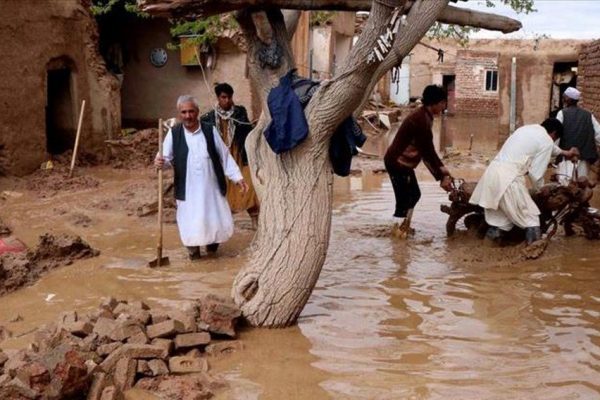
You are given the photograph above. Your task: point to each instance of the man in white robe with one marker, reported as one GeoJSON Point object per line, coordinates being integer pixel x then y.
{"type": "Point", "coordinates": [502, 190]}
{"type": "Point", "coordinates": [201, 162]}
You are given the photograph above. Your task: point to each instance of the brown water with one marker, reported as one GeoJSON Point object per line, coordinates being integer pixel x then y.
{"type": "Point", "coordinates": [428, 318]}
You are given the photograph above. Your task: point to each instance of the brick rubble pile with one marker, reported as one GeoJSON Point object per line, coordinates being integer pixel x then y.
{"type": "Point", "coordinates": [123, 345]}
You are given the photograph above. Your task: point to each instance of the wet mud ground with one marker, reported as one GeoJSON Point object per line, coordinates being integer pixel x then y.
{"type": "Point", "coordinates": [426, 318]}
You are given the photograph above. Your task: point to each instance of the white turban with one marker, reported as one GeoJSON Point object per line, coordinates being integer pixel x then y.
{"type": "Point", "coordinates": [573, 93]}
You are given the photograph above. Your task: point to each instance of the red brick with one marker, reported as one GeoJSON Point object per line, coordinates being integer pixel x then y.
{"type": "Point", "coordinates": [192, 340]}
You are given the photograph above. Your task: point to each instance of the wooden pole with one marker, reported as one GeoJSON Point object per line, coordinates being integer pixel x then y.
{"type": "Point", "coordinates": [160, 196]}
{"type": "Point", "coordinates": [513, 96]}
{"type": "Point", "coordinates": [77, 139]}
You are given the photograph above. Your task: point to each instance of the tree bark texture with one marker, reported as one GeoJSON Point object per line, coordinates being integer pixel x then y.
{"type": "Point", "coordinates": [295, 190]}
{"type": "Point", "coordinates": [205, 8]}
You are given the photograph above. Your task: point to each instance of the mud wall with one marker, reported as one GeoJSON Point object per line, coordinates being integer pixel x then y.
{"type": "Point", "coordinates": [151, 92]}
{"type": "Point", "coordinates": [37, 36]}
{"type": "Point", "coordinates": [589, 77]}
{"type": "Point", "coordinates": [535, 63]}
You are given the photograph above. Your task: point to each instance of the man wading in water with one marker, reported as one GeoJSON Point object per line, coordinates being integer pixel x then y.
{"type": "Point", "coordinates": [232, 123]}
{"type": "Point", "coordinates": [202, 163]}
{"type": "Point", "coordinates": [414, 142]}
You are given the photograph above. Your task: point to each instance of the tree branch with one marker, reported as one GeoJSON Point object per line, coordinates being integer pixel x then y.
{"type": "Point", "coordinates": [205, 8]}
{"type": "Point", "coordinates": [418, 21]}
{"type": "Point", "coordinates": [336, 99]}
{"type": "Point", "coordinates": [478, 19]}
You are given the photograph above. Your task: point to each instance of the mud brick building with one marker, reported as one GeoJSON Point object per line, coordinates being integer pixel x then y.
{"type": "Point", "coordinates": [476, 83]}
{"type": "Point", "coordinates": [589, 77]}
{"type": "Point", "coordinates": [478, 78]}
{"type": "Point", "coordinates": [56, 54]}
{"type": "Point", "coordinates": [49, 64]}
{"type": "Point", "coordinates": [153, 75]}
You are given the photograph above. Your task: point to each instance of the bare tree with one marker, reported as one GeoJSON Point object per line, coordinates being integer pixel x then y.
{"type": "Point", "coordinates": [295, 188]}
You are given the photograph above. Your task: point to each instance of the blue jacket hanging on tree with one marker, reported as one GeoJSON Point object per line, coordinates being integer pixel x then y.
{"type": "Point", "coordinates": [288, 126]}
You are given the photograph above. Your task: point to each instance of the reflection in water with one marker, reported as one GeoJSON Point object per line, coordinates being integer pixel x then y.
{"type": "Point", "coordinates": [396, 320]}
{"type": "Point", "coordinates": [387, 320]}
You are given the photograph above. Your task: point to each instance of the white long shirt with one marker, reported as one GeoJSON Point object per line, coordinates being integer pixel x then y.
{"type": "Point", "coordinates": [204, 217]}
{"type": "Point", "coordinates": [526, 152]}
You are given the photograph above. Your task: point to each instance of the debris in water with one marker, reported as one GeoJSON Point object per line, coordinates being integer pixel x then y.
{"type": "Point", "coordinates": [18, 270]}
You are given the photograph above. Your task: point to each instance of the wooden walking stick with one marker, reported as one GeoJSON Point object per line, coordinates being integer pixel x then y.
{"type": "Point", "coordinates": [77, 139]}
{"type": "Point", "coordinates": [160, 260]}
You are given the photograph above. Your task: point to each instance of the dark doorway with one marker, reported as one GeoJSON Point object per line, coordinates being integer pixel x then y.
{"type": "Point", "coordinates": [60, 121]}
{"type": "Point", "coordinates": [564, 74]}
{"type": "Point", "coordinates": [448, 81]}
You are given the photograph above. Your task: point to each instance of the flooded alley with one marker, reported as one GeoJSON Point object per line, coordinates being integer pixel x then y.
{"type": "Point", "coordinates": [426, 318]}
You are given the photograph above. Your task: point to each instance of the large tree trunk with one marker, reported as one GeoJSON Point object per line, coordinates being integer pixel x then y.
{"type": "Point", "coordinates": [290, 246]}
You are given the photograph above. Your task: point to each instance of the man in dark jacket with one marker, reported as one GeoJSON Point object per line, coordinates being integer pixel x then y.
{"type": "Point", "coordinates": [232, 123]}
{"type": "Point", "coordinates": [414, 142]}
{"type": "Point", "coordinates": [582, 131]}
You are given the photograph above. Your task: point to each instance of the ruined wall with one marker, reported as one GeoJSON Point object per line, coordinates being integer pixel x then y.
{"type": "Point", "coordinates": [151, 92]}
{"type": "Point", "coordinates": [322, 45]}
{"type": "Point", "coordinates": [471, 95]}
{"type": "Point", "coordinates": [51, 34]}
{"type": "Point", "coordinates": [589, 77]}
{"type": "Point", "coordinates": [331, 43]}
{"type": "Point", "coordinates": [301, 44]}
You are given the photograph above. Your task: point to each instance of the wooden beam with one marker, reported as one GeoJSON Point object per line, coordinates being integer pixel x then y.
{"type": "Point", "coordinates": [205, 8]}
{"type": "Point", "coordinates": [478, 19]}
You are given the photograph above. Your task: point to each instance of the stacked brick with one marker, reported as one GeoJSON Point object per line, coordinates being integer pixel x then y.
{"type": "Point", "coordinates": [589, 77]}
{"type": "Point", "coordinates": [471, 95]}
{"type": "Point", "coordinates": [120, 346]}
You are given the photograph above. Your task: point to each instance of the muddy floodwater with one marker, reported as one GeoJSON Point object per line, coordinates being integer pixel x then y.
{"type": "Point", "coordinates": [428, 318]}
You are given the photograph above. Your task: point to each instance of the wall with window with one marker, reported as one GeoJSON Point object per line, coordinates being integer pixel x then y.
{"type": "Point", "coordinates": [476, 85]}
{"type": "Point", "coordinates": [536, 59]}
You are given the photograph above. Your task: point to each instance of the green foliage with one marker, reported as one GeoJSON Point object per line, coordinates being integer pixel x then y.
{"type": "Point", "coordinates": [102, 8]}
{"type": "Point", "coordinates": [520, 6]}
{"type": "Point", "coordinates": [203, 31]}
{"type": "Point", "coordinates": [319, 18]}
